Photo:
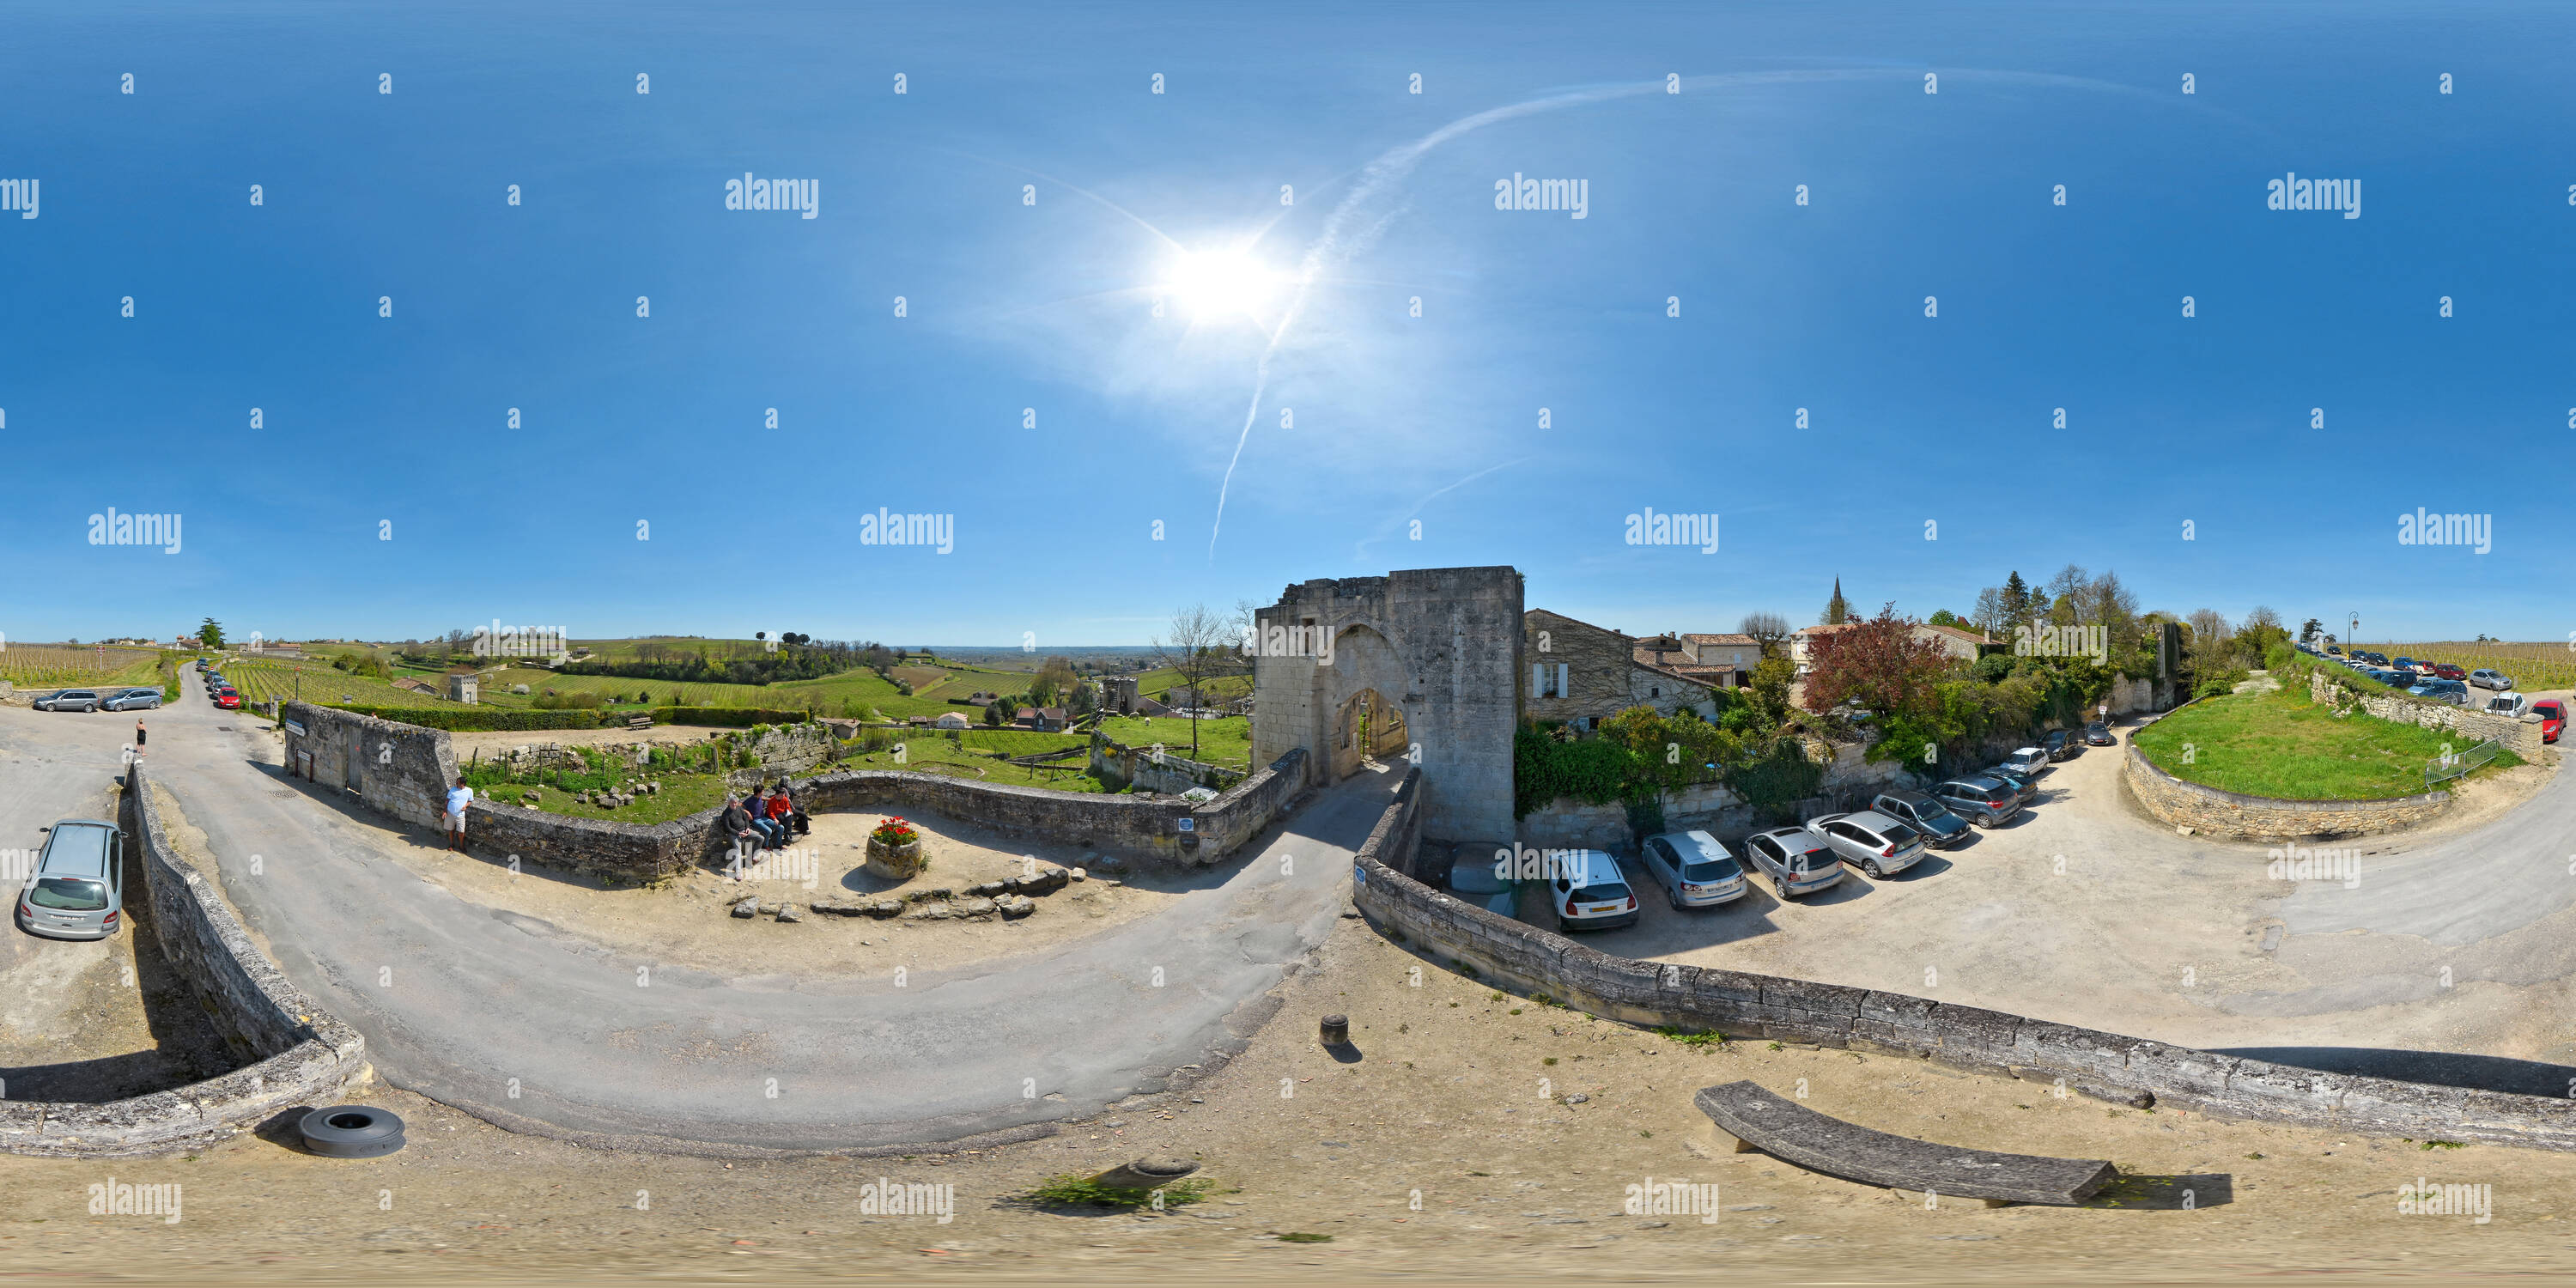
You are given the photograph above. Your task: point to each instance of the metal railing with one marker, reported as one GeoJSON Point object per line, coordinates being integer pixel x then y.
{"type": "Point", "coordinates": [2444, 768]}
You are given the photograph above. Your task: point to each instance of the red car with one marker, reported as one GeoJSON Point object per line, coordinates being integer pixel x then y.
{"type": "Point", "coordinates": [2449, 671]}
{"type": "Point", "coordinates": [2553, 717]}
{"type": "Point", "coordinates": [228, 699]}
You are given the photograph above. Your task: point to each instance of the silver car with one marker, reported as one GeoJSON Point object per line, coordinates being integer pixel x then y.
{"type": "Point", "coordinates": [1879, 845]}
{"type": "Point", "coordinates": [78, 888]}
{"type": "Point", "coordinates": [1795, 859]}
{"type": "Point", "coordinates": [2487, 679]}
{"type": "Point", "coordinates": [69, 700]}
{"type": "Point", "coordinates": [1694, 870]}
{"type": "Point", "coordinates": [133, 700]}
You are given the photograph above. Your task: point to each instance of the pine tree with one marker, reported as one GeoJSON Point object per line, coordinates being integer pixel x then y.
{"type": "Point", "coordinates": [2016, 601]}
{"type": "Point", "coordinates": [1837, 609]}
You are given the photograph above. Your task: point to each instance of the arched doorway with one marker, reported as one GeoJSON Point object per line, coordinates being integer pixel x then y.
{"type": "Point", "coordinates": [1369, 728]}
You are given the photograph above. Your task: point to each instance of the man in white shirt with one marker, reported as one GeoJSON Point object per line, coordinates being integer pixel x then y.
{"type": "Point", "coordinates": [458, 797]}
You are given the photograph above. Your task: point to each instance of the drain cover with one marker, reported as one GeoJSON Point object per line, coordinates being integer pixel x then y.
{"type": "Point", "coordinates": [223, 728]}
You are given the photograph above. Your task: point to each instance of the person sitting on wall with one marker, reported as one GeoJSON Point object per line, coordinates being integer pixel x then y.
{"type": "Point", "coordinates": [458, 797]}
{"type": "Point", "coordinates": [736, 823]}
{"type": "Point", "coordinates": [782, 811]}
{"type": "Point", "coordinates": [770, 830]}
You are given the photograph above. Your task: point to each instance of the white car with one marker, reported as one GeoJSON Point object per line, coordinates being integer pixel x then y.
{"type": "Point", "coordinates": [1694, 870]}
{"type": "Point", "coordinates": [1875, 843]}
{"type": "Point", "coordinates": [2029, 762]}
{"type": "Point", "coordinates": [2512, 706]}
{"type": "Point", "coordinates": [1590, 893]}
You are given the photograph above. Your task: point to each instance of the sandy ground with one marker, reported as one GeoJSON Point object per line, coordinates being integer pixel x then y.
{"type": "Point", "coordinates": [1446, 1148]}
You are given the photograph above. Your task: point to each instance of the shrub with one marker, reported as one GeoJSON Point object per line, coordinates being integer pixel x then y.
{"type": "Point", "coordinates": [1076, 1190]}
{"type": "Point", "coordinates": [469, 719]}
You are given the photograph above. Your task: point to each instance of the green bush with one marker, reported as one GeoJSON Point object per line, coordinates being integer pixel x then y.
{"type": "Point", "coordinates": [728, 717]}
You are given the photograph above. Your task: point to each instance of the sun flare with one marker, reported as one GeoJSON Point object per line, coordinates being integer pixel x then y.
{"type": "Point", "coordinates": [1212, 285]}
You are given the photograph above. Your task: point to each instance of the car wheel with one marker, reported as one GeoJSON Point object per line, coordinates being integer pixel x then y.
{"type": "Point", "coordinates": [1780, 887]}
{"type": "Point", "coordinates": [1672, 898]}
{"type": "Point", "coordinates": [1872, 870]}
{"type": "Point", "coordinates": [351, 1131]}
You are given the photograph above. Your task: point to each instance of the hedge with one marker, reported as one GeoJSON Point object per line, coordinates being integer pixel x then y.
{"type": "Point", "coordinates": [479, 718]}
{"type": "Point", "coordinates": [726, 717]}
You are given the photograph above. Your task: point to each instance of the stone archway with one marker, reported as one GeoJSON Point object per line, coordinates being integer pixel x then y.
{"type": "Point", "coordinates": [1370, 728]}
{"type": "Point", "coordinates": [1437, 649]}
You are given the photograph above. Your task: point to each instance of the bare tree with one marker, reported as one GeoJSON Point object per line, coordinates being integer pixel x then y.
{"type": "Point", "coordinates": [1196, 652]}
{"type": "Point", "coordinates": [1770, 630]}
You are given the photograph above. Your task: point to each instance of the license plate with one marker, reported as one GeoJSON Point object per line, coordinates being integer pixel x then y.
{"type": "Point", "coordinates": [1599, 908]}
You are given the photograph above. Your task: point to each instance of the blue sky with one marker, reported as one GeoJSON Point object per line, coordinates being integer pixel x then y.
{"type": "Point", "coordinates": [369, 420]}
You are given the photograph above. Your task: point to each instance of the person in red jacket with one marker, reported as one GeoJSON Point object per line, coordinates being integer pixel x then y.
{"type": "Point", "coordinates": [780, 806]}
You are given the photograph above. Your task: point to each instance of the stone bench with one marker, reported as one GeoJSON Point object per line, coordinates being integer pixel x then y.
{"type": "Point", "coordinates": [1794, 1133]}
{"type": "Point", "coordinates": [639, 722]}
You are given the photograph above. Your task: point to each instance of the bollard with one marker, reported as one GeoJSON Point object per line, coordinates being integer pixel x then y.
{"type": "Point", "coordinates": [1145, 1174]}
{"type": "Point", "coordinates": [1337, 1030]}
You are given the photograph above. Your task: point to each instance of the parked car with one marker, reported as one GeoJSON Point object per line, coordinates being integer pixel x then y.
{"type": "Point", "coordinates": [2334, 650]}
{"type": "Point", "coordinates": [2450, 671]}
{"type": "Point", "coordinates": [2489, 679]}
{"type": "Point", "coordinates": [228, 699]}
{"type": "Point", "coordinates": [2511, 706]}
{"type": "Point", "coordinates": [2451, 691]}
{"type": "Point", "coordinates": [1875, 843]}
{"type": "Point", "coordinates": [1591, 893]}
{"type": "Point", "coordinates": [1797, 861]}
{"type": "Point", "coordinates": [2099, 734]}
{"type": "Point", "coordinates": [2393, 679]}
{"type": "Point", "coordinates": [2029, 762]}
{"type": "Point", "coordinates": [202, 664]}
{"type": "Point", "coordinates": [78, 888]}
{"type": "Point", "coordinates": [69, 700]}
{"type": "Point", "coordinates": [2024, 787]}
{"type": "Point", "coordinates": [1694, 870]}
{"type": "Point", "coordinates": [1941, 826]}
{"type": "Point", "coordinates": [1986, 802]}
{"type": "Point", "coordinates": [132, 700]}
{"type": "Point", "coordinates": [2061, 744]}
{"type": "Point", "coordinates": [2553, 718]}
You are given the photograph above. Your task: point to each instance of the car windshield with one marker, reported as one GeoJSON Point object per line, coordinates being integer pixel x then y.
{"type": "Point", "coordinates": [1710, 870]}
{"type": "Point", "coordinates": [69, 894]}
{"type": "Point", "coordinates": [1931, 811]}
{"type": "Point", "coordinates": [1602, 893]}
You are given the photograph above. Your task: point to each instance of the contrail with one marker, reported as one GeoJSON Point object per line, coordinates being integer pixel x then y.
{"type": "Point", "coordinates": [1362, 548]}
{"type": "Point", "coordinates": [1392, 166]}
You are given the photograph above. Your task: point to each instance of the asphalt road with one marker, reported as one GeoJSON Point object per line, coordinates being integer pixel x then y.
{"type": "Point", "coordinates": [528, 1024]}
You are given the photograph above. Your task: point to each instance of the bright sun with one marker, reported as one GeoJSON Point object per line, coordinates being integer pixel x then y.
{"type": "Point", "coordinates": [1218, 284]}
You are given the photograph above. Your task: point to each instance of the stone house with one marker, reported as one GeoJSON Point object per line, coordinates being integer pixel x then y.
{"type": "Point", "coordinates": [1583, 674]}
{"type": "Point", "coordinates": [1719, 661]}
{"type": "Point", "coordinates": [1118, 694]}
{"type": "Point", "coordinates": [1042, 719]}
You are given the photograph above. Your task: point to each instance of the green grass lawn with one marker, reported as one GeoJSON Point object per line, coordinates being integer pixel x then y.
{"type": "Point", "coordinates": [2282, 744]}
{"type": "Point", "coordinates": [934, 754]}
{"type": "Point", "coordinates": [1221, 742]}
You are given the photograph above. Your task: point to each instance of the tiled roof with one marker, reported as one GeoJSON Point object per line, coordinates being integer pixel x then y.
{"type": "Point", "coordinates": [1744, 640]}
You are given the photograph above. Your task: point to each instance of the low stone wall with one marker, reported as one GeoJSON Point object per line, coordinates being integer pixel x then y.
{"type": "Point", "coordinates": [1571, 824]}
{"type": "Point", "coordinates": [2522, 736]}
{"type": "Point", "coordinates": [400, 769]}
{"type": "Point", "coordinates": [1504, 952]}
{"type": "Point", "coordinates": [1131, 825]}
{"type": "Point", "coordinates": [2207, 811]}
{"type": "Point", "coordinates": [294, 1052]}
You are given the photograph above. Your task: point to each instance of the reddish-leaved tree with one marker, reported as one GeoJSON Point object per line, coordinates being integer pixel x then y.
{"type": "Point", "coordinates": [1879, 663]}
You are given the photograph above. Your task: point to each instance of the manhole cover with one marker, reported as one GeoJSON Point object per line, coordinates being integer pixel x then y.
{"type": "Point", "coordinates": [223, 728]}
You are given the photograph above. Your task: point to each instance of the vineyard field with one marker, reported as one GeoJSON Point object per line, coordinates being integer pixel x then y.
{"type": "Point", "coordinates": [31, 666]}
{"type": "Point", "coordinates": [2535, 668]}
{"type": "Point", "coordinates": [260, 681]}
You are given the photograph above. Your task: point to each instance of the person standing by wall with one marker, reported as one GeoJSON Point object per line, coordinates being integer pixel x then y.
{"type": "Point", "coordinates": [458, 797]}
{"type": "Point", "coordinates": [138, 739]}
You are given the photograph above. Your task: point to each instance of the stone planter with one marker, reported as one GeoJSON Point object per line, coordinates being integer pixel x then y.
{"type": "Point", "coordinates": [893, 862]}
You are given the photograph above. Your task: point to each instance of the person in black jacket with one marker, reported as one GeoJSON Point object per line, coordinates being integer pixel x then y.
{"type": "Point", "coordinates": [736, 822]}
